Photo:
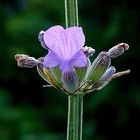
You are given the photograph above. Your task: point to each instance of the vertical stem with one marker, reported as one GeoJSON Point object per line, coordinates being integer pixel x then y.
{"type": "Point", "coordinates": [71, 13]}
{"type": "Point", "coordinates": [75, 105]}
{"type": "Point", "coordinates": [75, 117]}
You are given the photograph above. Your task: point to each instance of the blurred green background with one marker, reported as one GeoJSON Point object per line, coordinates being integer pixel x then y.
{"type": "Point", "coordinates": [30, 112]}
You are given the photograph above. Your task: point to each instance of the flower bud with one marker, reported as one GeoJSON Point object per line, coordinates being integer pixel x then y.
{"type": "Point", "coordinates": [121, 73]}
{"type": "Point", "coordinates": [98, 67]}
{"type": "Point", "coordinates": [81, 72]}
{"type": "Point", "coordinates": [54, 71]}
{"type": "Point", "coordinates": [118, 50]}
{"type": "Point", "coordinates": [26, 61]}
{"type": "Point", "coordinates": [70, 81]}
{"type": "Point", "coordinates": [46, 74]}
{"type": "Point", "coordinates": [88, 51]}
{"type": "Point", "coordinates": [105, 79]}
{"type": "Point", "coordinates": [108, 74]}
{"type": "Point", "coordinates": [57, 74]}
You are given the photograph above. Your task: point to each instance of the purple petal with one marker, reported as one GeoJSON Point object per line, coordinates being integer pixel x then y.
{"type": "Point", "coordinates": [65, 66]}
{"type": "Point", "coordinates": [64, 42]}
{"type": "Point", "coordinates": [75, 40]}
{"type": "Point", "coordinates": [52, 38]}
{"type": "Point", "coordinates": [51, 60]}
{"type": "Point", "coordinates": [79, 59]}
{"type": "Point", "coordinates": [41, 39]}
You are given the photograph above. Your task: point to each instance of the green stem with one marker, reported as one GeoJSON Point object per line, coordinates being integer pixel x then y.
{"type": "Point", "coordinates": [75, 117]}
{"type": "Point", "coordinates": [75, 106]}
{"type": "Point", "coordinates": [71, 13]}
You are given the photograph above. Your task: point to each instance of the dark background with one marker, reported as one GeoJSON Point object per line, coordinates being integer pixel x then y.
{"type": "Point", "coordinates": [30, 112]}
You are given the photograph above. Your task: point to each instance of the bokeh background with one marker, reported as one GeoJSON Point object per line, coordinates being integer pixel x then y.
{"type": "Point", "coordinates": [30, 112]}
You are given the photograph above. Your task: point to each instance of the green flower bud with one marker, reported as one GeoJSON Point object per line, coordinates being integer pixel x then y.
{"type": "Point", "coordinates": [46, 74]}
{"type": "Point", "coordinates": [70, 81]}
{"type": "Point", "coordinates": [98, 67]}
{"type": "Point", "coordinates": [105, 79]}
{"type": "Point", "coordinates": [57, 74]}
{"type": "Point", "coordinates": [81, 72]}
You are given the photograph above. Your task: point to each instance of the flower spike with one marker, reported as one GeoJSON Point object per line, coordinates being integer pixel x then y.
{"type": "Point", "coordinates": [67, 66]}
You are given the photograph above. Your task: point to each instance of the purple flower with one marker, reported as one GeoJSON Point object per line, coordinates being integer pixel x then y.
{"type": "Point", "coordinates": [65, 48]}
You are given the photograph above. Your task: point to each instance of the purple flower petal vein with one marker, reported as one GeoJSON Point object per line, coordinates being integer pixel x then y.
{"type": "Point", "coordinates": [65, 48]}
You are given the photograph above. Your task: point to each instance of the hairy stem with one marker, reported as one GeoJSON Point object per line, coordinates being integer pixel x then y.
{"type": "Point", "coordinates": [71, 13]}
{"type": "Point", "coordinates": [75, 117]}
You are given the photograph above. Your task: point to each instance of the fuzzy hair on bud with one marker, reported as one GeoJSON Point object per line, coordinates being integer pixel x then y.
{"type": "Point", "coordinates": [24, 60]}
{"type": "Point", "coordinates": [88, 51]}
{"type": "Point", "coordinates": [118, 50]}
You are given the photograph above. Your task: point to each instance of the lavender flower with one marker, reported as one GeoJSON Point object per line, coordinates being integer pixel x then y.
{"type": "Point", "coordinates": [67, 66]}
{"type": "Point", "coordinates": [64, 48]}
{"type": "Point", "coordinates": [66, 52]}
